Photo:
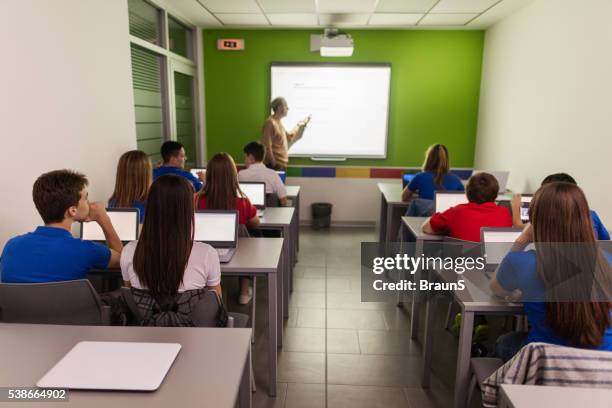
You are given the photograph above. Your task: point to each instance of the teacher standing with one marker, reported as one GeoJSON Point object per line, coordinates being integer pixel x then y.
{"type": "Point", "coordinates": [276, 139]}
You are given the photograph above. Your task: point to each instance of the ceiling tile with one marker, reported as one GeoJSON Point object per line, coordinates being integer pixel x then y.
{"type": "Point", "coordinates": [231, 6]}
{"type": "Point", "coordinates": [463, 6]}
{"type": "Point", "coordinates": [242, 19]}
{"type": "Point", "coordinates": [293, 19]}
{"type": "Point", "coordinates": [394, 19]}
{"type": "Point", "coordinates": [404, 6]}
{"type": "Point", "coordinates": [346, 6]}
{"type": "Point", "coordinates": [193, 12]}
{"type": "Point", "coordinates": [446, 19]}
{"type": "Point", "coordinates": [288, 6]}
{"type": "Point", "coordinates": [342, 20]}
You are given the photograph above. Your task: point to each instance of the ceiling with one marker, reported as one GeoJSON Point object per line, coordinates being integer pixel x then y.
{"type": "Point", "coordinates": [377, 14]}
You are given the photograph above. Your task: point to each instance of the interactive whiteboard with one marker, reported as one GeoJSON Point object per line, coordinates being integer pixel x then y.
{"type": "Point", "coordinates": [349, 104]}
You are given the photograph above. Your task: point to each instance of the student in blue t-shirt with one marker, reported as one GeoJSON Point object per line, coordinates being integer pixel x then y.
{"type": "Point", "coordinates": [558, 281]}
{"type": "Point", "coordinates": [132, 183]}
{"type": "Point", "coordinates": [601, 233]}
{"type": "Point", "coordinates": [174, 157]}
{"type": "Point", "coordinates": [50, 253]}
{"type": "Point", "coordinates": [435, 176]}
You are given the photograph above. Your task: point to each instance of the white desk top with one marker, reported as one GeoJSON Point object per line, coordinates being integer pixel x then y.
{"type": "Point", "coordinates": [277, 216]}
{"type": "Point", "coordinates": [292, 191]}
{"type": "Point", "coordinates": [392, 192]}
{"type": "Point", "coordinates": [198, 375]}
{"type": "Point", "coordinates": [415, 224]}
{"type": "Point", "coordinates": [255, 255]}
{"type": "Point", "coordinates": [534, 396]}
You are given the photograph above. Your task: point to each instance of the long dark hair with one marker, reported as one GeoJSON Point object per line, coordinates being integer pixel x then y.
{"type": "Point", "coordinates": [222, 187]}
{"type": "Point", "coordinates": [436, 161]}
{"type": "Point", "coordinates": [571, 265]}
{"type": "Point", "coordinates": [166, 239]}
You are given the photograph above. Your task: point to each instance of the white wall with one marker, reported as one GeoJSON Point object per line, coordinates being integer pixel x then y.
{"type": "Point", "coordinates": [546, 92]}
{"type": "Point", "coordinates": [66, 98]}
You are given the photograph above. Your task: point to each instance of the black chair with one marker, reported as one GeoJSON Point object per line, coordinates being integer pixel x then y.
{"type": "Point", "coordinates": [68, 302]}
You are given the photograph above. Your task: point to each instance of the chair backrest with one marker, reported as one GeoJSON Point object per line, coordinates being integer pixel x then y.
{"type": "Point", "coordinates": [70, 302]}
{"type": "Point", "coordinates": [272, 200]}
{"type": "Point", "coordinates": [420, 207]}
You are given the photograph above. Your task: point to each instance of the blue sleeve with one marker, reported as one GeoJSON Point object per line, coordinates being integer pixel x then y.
{"type": "Point", "coordinates": [458, 184]}
{"type": "Point", "coordinates": [197, 184]}
{"type": "Point", "coordinates": [600, 229]}
{"type": "Point", "coordinates": [507, 274]}
{"type": "Point", "coordinates": [98, 255]}
{"type": "Point", "coordinates": [415, 183]}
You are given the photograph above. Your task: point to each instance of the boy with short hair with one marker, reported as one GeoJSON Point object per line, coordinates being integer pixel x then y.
{"type": "Point", "coordinates": [174, 157]}
{"type": "Point", "coordinates": [50, 253]}
{"type": "Point", "coordinates": [254, 154]}
{"type": "Point", "coordinates": [465, 220]}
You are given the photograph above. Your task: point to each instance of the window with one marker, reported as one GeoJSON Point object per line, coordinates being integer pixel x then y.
{"type": "Point", "coordinates": [164, 80]}
{"type": "Point", "coordinates": [148, 101]}
{"type": "Point", "coordinates": [180, 38]}
{"type": "Point", "coordinates": [145, 21]}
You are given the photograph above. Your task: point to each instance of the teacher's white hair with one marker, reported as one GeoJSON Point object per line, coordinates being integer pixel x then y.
{"type": "Point", "coordinates": [277, 103]}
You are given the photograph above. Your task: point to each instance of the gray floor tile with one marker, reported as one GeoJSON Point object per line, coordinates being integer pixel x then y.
{"type": "Point", "coordinates": [295, 367]}
{"type": "Point", "coordinates": [355, 319]}
{"type": "Point", "coordinates": [304, 340]}
{"type": "Point", "coordinates": [307, 299]}
{"type": "Point", "coordinates": [395, 342]}
{"type": "Point", "coordinates": [312, 318]}
{"type": "Point", "coordinates": [342, 341]}
{"type": "Point", "coordinates": [305, 396]}
{"type": "Point", "coordinates": [309, 272]}
{"type": "Point", "coordinates": [350, 396]}
{"type": "Point", "coordinates": [386, 371]}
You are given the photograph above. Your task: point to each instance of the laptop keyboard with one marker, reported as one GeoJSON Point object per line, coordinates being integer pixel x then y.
{"type": "Point", "coordinates": [223, 251]}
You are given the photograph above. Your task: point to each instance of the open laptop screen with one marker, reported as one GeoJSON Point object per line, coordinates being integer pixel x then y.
{"type": "Point", "coordinates": [525, 201]}
{"type": "Point", "coordinates": [497, 243]}
{"type": "Point", "coordinates": [255, 192]}
{"type": "Point", "coordinates": [217, 228]}
{"type": "Point", "coordinates": [446, 199]}
{"type": "Point", "coordinates": [124, 220]}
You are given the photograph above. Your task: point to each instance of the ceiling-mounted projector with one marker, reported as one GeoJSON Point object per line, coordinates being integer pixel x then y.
{"type": "Point", "coordinates": [332, 43]}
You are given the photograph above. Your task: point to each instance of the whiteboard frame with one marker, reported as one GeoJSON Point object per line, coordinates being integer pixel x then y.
{"type": "Point", "coordinates": [339, 157]}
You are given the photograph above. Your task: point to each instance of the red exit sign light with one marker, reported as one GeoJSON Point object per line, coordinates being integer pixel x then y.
{"type": "Point", "coordinates": [230, 44]}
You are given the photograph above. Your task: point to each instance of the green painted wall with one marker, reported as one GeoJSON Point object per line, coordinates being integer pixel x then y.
{"type": "Point", "coordinates": [435, 87]}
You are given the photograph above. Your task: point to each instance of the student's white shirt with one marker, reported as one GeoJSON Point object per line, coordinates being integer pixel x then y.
{"type": "Point", "coordinates": [259, 172]}
{"type": "Point", "coordinates": [203, 267]}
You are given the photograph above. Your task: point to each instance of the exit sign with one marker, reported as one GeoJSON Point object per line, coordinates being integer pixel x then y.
{"type": "Point", "coordinates": [230, 44]}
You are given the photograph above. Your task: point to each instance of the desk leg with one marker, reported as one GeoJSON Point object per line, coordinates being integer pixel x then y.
{"type": "Point", "coordinates": [280, 283]}
{"type": "Point", "coordinates": [272, 339]}
{"type": "Point", "coordinates": [415, 303]}
{"type": "Point", "coordinates": [430, 312]}
{"type": "Point", "coordinates": [388, 224]}
{"type": "Point", "coordinates": [382, 219]}
{"type": "Point", "coordinates": [297, 223]}
{"type": "Point", "coordinates": [244, 394]}
{"type": "Point", "coordinates": [462, 376]}
{"type": "Point", "coordinates": [288, 268]}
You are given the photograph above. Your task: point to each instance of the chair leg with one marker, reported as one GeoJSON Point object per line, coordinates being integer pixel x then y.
{"type": "Point", "coordinates": [253, 310]}
{"type": "Point", "coordinates": [449, 316]}
{"type": "Point", "coordinates": [253, 385]}
{"type": "Point", "coordinates": [472, 387]}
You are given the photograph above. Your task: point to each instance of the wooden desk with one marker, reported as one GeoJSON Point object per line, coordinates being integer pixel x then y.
{"type": "Point", "coordinates": [212, 368]}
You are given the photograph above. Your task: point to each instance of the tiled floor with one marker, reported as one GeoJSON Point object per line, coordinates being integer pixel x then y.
{"type": "Point", "coordinates": [339, 350]}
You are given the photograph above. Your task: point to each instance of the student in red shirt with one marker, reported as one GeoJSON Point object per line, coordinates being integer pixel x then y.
{"type": "Point", "coordinates": [222, 192]}
{"type": "Point", "coordinates": [465, 220]}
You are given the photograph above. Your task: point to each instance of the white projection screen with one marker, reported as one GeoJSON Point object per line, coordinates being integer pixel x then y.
{"type": "Point", "coordinates": [349, 104]}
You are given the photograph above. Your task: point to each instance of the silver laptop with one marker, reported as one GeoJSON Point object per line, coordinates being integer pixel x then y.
{"type": "Point", "coordinates": [219, 229]}
{"type": "Point", "coordinates": [444, 200]}
{"type": "Point", "coordinates": [124, 220]}
{"type": "Point", "coordinates": [500, 176]}
{"type": "Point", "coordinates": [120, 366]}
{"type": "Point", "coordinates": [496, 243]}
{"type": "Point", "coordinates": [525, 202]}
{"type": "Point", "coordinates": [256, 193]}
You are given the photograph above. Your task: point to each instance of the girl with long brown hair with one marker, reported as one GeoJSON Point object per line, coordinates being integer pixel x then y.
{"type": "Point", "coordinates": [166, 260]}
{"type": "Point", "coordinates": [222, 192]}
{"type": "Point", "coordinates": [565, 284]}
{"type": "Point", "coordinates": [134, 175]}
{"type": "Point", "coordinates": [435, 175]}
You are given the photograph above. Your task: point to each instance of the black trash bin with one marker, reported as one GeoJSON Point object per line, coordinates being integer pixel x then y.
{"type": "Point", "coordinates": [321, 215]}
